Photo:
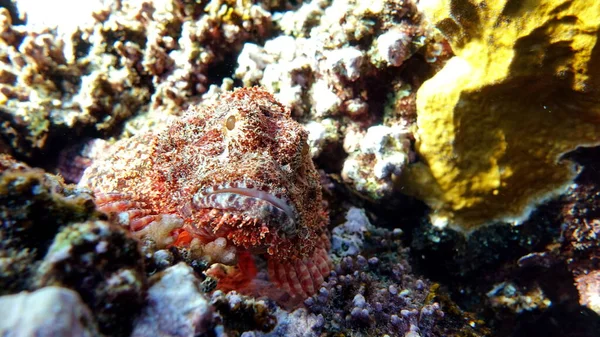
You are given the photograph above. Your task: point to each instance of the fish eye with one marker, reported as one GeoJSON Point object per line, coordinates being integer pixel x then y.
{"type": "Point", "coordinates": [230, 123]}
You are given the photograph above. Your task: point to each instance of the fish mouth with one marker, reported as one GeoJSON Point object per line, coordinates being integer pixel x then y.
{"type": "Point", "coordinates": [254, 203]}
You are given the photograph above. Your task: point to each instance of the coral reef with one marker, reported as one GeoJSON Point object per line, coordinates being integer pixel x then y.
{"type": "Point", "coordinates": [340, 66]}
{"type": "Point", "coordinates": [102, 262]}
{"type": "Point", "coordinates": [349, 237]}
{"type": "Point", "coordinates": [578, 248]}
{"type": "Point", "coordinates": [49, 89]}
{"type": "Point", "coordinates": [126, 58]}
{"type": "Point", "coordinates": [523, 278]}
{"type": "Point", "coordinates": [376, 158]}
{"type": "Point", "coordinates": [581, 232]}
{"type": "Point", "coordinates": [34, 205]}
{"type": "Point", "coordinates": [582, 246]}
{"type": "Point", "coordinates": [521, 91]}
{"type": "Point", "coordinates": [389, 297]}
{"type": "Point", "coordinates": [280, 211]}
{"type": "Point", "coordinates": [298, 323]}
{"type": "Point", "coordinates": [47, 312]}
{"type": "Point", "coordinates": [242, 314]}
{"type": "Point", "coordinates": [177, 306]}
{"type": "Point", "coordinates": [375, 297]}
{"type": "Point", "coordinates": [370, 296]}
{"type": "Point", "coordinates": [510, 295]}
{"type": "Point", "coordinates": [373, 291]}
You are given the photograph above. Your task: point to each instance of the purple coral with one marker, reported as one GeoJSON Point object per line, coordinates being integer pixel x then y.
{"type": "Point", "coordinates": [372, 290]}
{"type": "Point", "coordinates": [374, 297]}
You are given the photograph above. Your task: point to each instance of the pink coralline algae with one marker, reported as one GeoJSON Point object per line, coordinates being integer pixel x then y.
{"type": "Point", "coordinates": [239, 170]}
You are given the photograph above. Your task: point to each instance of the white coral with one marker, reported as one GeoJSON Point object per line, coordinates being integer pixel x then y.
{"type": "Point", "coordinates": [375, 158]}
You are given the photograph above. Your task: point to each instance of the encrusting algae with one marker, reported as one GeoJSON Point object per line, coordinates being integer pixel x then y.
{"type": "Point", "coordinates": [521, 91]}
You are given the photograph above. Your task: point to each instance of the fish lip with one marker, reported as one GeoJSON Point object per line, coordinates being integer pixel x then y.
{"type": "Point", "coordinates": [247, 191]}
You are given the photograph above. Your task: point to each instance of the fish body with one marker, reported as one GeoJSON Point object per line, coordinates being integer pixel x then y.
{"type": "Point", "coordinates": [240, 170]}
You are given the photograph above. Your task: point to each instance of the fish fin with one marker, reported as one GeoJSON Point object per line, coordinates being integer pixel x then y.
{"type": "Point", "coordinates": [124, 211]}
{"type": "Point", "coordinates": [300, 277]}
{"type": "Point", "coordinates": [137, 218]}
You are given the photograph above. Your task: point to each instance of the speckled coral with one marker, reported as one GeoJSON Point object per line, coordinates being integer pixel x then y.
{"type": "Point", "coordinates": [326, 66]}
{"type": "Point", "coordinates": [375, 158]}
{"type": "Point", "coordinates": [49, 87]}
{"type": "Point", "coordinates": [373, 291]}
{"type": "Point", "coordinates": [580, 244]}
{"type": "Point", "coordinates": [493, 123]}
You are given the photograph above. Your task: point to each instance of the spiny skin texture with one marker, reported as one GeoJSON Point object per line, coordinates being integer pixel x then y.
{"type": "Point", "coordinates": [240, 169]}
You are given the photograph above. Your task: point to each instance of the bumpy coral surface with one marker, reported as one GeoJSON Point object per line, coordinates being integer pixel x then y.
{"type": "Point", "coordinates": [493, 123]}
{"type": "Point", "coordinates": [372, 297]}
{"type": "Point", "coordinates": [375, 158]}
{"type": "Point", "coordinates": [580, 246]}
{"type": "Point", "coordinates": [239, 170]}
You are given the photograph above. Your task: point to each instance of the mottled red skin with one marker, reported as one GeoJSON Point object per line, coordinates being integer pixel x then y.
{"type": "Point", "coordinates": [156, 174]}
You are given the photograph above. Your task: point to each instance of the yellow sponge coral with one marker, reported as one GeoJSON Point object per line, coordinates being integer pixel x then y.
{"type": "Point", "coordinates": [522, 90]}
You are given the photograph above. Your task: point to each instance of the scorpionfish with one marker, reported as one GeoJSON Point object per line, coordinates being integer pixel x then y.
{"type": "Point", "coordinates": [239, 170]}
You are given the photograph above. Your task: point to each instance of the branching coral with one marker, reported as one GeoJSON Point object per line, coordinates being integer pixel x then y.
{"type": "Point", "coordinates": [493, 123]}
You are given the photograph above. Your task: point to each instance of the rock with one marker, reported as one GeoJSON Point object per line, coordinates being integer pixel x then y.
{"type": "Point", "coordinates": [47, 312]}
{"type": "Point", "coordinates": [103, 263]}
{"type": "Point", "coordinates": [34, 206]}
{"type": "Point", "coordinates": [176, 306]}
